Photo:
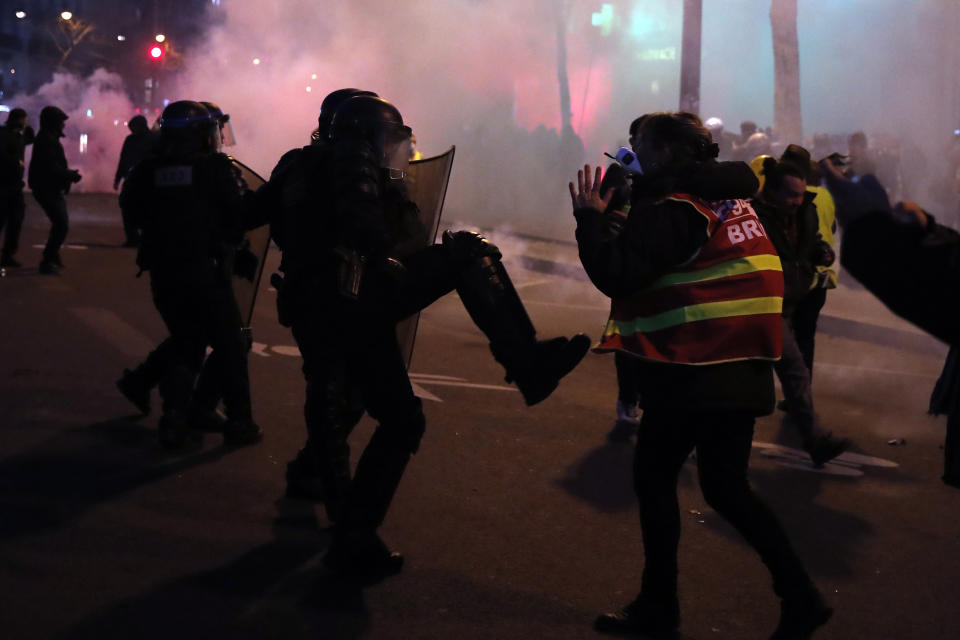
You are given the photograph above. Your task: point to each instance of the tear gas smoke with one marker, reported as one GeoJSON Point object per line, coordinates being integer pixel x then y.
{"type": "Point", "coordinates": [483, 75]}
{"type": "Point", "coordinates": [98, 107]}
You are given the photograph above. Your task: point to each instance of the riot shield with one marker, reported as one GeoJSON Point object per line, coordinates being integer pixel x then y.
{"type": "Point", "coordinates": [250, 257]}
{"type": "Point", "coordinates": [426, 182]}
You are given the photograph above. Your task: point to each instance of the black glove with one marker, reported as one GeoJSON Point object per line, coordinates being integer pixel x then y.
{"type": "Point", "coordinates": [823, 253]}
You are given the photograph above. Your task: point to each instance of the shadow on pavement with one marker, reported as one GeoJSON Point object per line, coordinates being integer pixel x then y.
{"type": "Point", "coordinates": [603, 477]}
{"type": "Point", "coordinates": [58, 481]}
{"type": "Point", "coordinates": [272, 591]}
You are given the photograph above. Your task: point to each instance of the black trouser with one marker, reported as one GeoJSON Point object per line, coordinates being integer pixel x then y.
{"type": "Point", "coordinates": [54, 205]}
{"type": "Point", "coordinates": [130, 229]}
{"type": "Point", "coordinates": [199, 309]}
{"type": "Point", "coordinates": [951, 448]}
{"type": "Point", "coordinates": [207, 392]}
{"type": "Point", "coordinates": [723, 442]}
{"type": "Point", "coordinates": [795, 382]}
{"type": "Point", "coordinates": [804, 320]}
{"type": "Point", "coordinates": [351, 345]}
{"type": "Point", "coordinates": [627, 378]}
{"type": "Point", "coordinates": [12, 208]}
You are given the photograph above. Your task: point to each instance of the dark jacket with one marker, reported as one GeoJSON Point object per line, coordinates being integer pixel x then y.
{"type": "Point", "coordinates": [325, 196]}
{"type": "Point", "coordinates": [48, 166]}
{"type": "Point", "coordinates": [795, 239]}
{"type": "Point", "coordinates": [913, 270]}
{"type": "Point", "coordinates": [660, 235]}
{"type": "Point", "coordinates": [136, 147]}
{"type": "Point", "coordinates": [12, 146]}
{"type": "Point", "coordinates": [190, 211]}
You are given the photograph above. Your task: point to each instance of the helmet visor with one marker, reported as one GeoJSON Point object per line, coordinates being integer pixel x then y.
{"type": "Point", "coordinates": [396, 150]}
{"type": "Point", "coordinates": [226, 134]}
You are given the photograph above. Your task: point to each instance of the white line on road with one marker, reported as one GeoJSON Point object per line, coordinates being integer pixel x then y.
{"type": "Point", "coordinates": [892, 372]}
{"type": "Point", "coordinates": [433, 376]}
{"type": "Point", "coordinates": [564, 305]}
{"type": "Point", "coordinates": [468, 385]}
{"type": "Point", "coordinates": [531, 283]}
{"type": "Point", "coordinates": [115, 331]}
{"type": "Point", "coordinates": [81, 247]}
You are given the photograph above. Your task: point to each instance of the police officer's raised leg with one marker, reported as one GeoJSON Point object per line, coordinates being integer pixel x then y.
{"type": "Point", "coordinates": [492, 302]}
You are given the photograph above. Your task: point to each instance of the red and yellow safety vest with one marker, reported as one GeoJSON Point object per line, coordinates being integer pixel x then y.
{"type": "Point", "coordinates": [721, 306]}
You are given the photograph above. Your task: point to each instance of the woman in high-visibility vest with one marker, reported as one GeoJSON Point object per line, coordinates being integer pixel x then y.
{"type": "Point", "coordinates": [696, 291]}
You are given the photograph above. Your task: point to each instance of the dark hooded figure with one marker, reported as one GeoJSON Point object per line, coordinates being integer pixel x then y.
{"type": "Point", "coordinates": [136, 147]}
{"type": "Point", "coordinates": [14, 137]}
{"type": "Point", "coordinates": [50, 179]}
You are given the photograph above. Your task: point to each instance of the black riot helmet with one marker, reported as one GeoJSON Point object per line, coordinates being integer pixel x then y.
{"type": "Point", "coordinates": [187, 126]}
{"type": "Point", "coordinates": [378, 122]}
{"type": "Point", "coordinates": [52, 117]}
{"type": "Point", "coordinates": [330, 105]}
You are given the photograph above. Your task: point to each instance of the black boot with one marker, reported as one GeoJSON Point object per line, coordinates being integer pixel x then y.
{"type": "Point", "coordinates": [538, 367]}
{"type": "Point", "coordinates": [825, 447]}
{"type": "Point", "coordinates": [175, 434]}
{"type": "Point", "coordinates": [135, 389]}
{"type": "Point", "coordinates": [361, 556]}
{"type": "Point", "coordinates": [311, 476]}
{"type": "Point", "coordinates": [7, 262]}
{"type": "Point", "coordinates": [491, 300]}
{"type": "Point", "coordinates": [642, 618]}
{"type": "Point", "coordinates": [801, 616]}
{"type": "Point", "coordinates": [241, 432]}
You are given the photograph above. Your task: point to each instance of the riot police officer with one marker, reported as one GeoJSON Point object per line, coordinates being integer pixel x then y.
{"type": "Point", "coordinates": [348, 232]}
{"type": "Point", "coordinates": [187, 200]}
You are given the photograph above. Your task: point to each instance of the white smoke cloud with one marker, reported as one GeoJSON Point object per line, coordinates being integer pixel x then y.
{"type": "Point", "coordinates": [482, 74]}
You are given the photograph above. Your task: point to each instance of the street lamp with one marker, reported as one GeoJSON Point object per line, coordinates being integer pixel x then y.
{"type": "Point", "coordinates": [21, 15]}
{"type": "Point", "coordinates": [66, 15]}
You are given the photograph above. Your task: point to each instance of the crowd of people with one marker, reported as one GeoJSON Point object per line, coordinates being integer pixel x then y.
{"type": "Point", "coordinates": [716, 255]}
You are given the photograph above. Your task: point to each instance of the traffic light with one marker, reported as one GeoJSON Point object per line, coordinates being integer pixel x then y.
{"type": "Point", "coordinates": [155, 52]}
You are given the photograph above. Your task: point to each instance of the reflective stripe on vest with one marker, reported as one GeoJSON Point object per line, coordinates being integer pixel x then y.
{"type": "Point", "coordinates": [721, 306]}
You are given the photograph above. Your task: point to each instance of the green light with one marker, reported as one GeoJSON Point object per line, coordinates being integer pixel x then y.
{"type": "Point", "coordinates": [603, 19]}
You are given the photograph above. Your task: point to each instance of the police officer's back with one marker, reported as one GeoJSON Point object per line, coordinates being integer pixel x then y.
{"type": "Point", "coordinates": [187, 201]}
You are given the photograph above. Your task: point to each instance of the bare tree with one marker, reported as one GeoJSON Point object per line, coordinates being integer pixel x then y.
{"type": "Point", "coordinates": [67, 35]}
{"type": "Point", "coordinates": [787, 116]}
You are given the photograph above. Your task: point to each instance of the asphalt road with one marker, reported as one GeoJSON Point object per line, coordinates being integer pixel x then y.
{"type": "Point", "coordinates": [516, 522]}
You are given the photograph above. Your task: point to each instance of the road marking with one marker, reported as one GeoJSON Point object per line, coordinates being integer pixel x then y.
{"type": "Point", "coordinates": [422, 393]}
{"type": "Point", "coordinates": [892, 372]}
{"type": "Point", "coordinates": [416, 379]}
{"type": "Point", "coordinates": [531, 283]}
{"type": "Point", "coordinates": [80, 247]}
{"type": "Point", "coordinates": [564, 305]}
{"type": "Point", "coordinates": [434, 376]}
{"type": "Point", "coordinates": [467, 385]}
{"type": "Point", "coordinates": [115, 331]}
{"type": "Point", "coordinates": [285, 350]}
{"type": "Point", "coordinates": [846, 464]}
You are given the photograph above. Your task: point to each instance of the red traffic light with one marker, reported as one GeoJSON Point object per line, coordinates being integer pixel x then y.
{"type": "Point", "coordinates": [156, 52]}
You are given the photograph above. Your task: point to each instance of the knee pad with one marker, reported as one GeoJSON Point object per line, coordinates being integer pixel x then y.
{"type": "Point", "coordinates": [467, 247]}
{"type": "Point", "coordinates": [331, 409]}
